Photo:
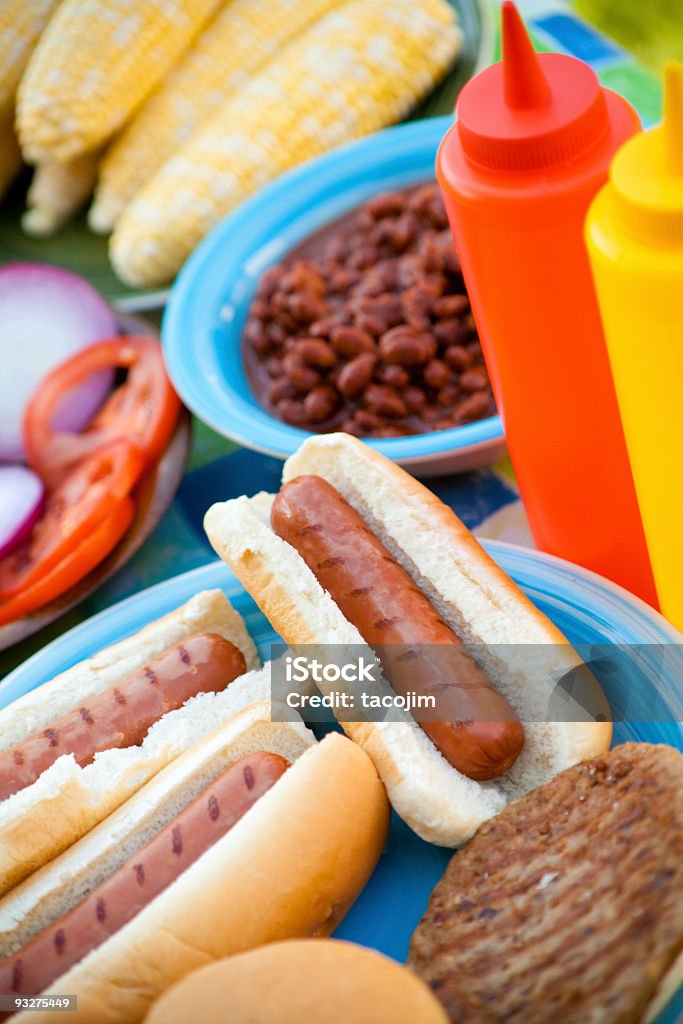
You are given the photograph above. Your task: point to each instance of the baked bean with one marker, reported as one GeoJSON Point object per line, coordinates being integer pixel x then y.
{"type": "Point", "coordinates": [260, 309]}
{"type": "Point", "coordinates": [431, 413]}
{"type": "Point", "coordinates": [415, 399]}
{"type": "Point", "coordinates": [351, 426]}
{"type": "Point", "coordinates": [270, 281]}
{"type": "Point", "coordinates": [279, 389]}
{"type": "Point", "coordinates": [276, 333]}
{"type": "Point", "coordinates": [387, 308]}
{"type": "Point", "coordinates": [274, 367]}
{"type": "Point", "coordinates": [445, 423]}
{"type": "Point", "coordinates": [406, 347]}
{"type": "Point", "coordinates": [384, 401]}
{"type": "Point", "coordinates": [473, 407]}
{"type": "Point", "coordinates": [417, 305]}
{"type": "Point", "coordinates": [450, 332]}
{"type": "Point", "coordinates": [474, 379]}
{"type": "Point", "coordinates": [457, 357]}
{"type": "Point", "coordinates": [315, 352]}
{"type": "Point", "coordinates": [386, 205]}
{"type": "Point", "coordinates": [320, 403]}
{"type": "Point", "coordinates": [367, 420]}
{"type": "Point", "coordinates": [448, 307]}
{"type": "Point", "coordinates": [322, 328]}
{"type": "Point", "coordinates": [304, 378]}
{"type": "Point", "coordinates": [342, 281]}
{"type": "Point", "coordinates": [306, 307]}
{"type": "Point", "coordinates": [389, 432]}
{"type": "Point", "coordinates": [351, 341]}
{"type": "Point", "coordinates": [292, 412]}
{"type": "Point", "coordinates": [363, 256]}
{"type": "Point", "coordinates": [448, 395]}
{"type": "Point", "coordinates": [370, 324]}
{"type": "Point", "coordinates": [356, 375]}
{"type": "Point", "coordinates": [474, 348]}
{"type": "Point", "coordinates": [436, 374]}
{"type": "Point", "coordinates": [257, 336]}
{"type": "Point", "coordinates": [393, 375]}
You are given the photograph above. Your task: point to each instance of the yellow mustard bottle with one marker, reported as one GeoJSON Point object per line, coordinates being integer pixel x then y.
{"type": "Point", "coordinates": [634, 232]}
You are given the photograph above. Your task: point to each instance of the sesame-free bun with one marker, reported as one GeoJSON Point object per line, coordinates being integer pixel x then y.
{"type": "Point", "coordinates": [471, 593]}
{"type": "Point", "coordinates": [67, 800]}
{"type": "Point", "coordinates": [290, 867]}
{"type": "Point", "coordinates": [303, 981]}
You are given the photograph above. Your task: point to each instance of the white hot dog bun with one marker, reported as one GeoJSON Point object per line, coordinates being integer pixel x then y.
{"type": "Point", "coordinates": [43, 819]}
{"type": "Point", "coordinates": [291, 866]}
{"type": "Point", "coordinates": [470, 592]}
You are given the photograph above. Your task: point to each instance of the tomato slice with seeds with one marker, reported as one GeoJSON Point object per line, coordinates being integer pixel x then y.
{"type": "Point", "coordinates": [143, 408]}
{"type": "Point", "coordinates": [72, 511]}
{"type": "Point", "coordinates": [77, 564]}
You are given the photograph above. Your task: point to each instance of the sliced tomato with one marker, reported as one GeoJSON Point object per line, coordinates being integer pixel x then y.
{"type": "Point", "coordinates": [72, 511]}
{"type": "Point", "coordinates": [142, 409]}
{"type": "Point", "coordinates": [77, 564]}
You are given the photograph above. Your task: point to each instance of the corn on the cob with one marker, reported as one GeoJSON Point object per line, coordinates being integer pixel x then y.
{"type": "Point", "coordinates": [10, 157]}
{"type": "Point", "coordinates": [357, 70]}
{"type": "Point", "coordinates": [21, 22]}
{"type": "Point", "coordinates": [241, 36]}
{"type": "Point", "coordinates": [95, 63]}
{"type": "Point", "coordinates": [57, 192]}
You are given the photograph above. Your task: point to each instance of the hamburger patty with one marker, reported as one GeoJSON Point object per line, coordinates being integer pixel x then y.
{"type": "Point", "coordinates": [566, 908]}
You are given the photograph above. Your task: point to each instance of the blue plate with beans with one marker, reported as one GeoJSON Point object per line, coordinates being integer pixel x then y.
{"type": "Point", "coordinates": [268, 338]}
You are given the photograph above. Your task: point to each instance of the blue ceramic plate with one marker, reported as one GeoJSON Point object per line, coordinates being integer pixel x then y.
{"type": "Point", "coordinates": [203, 324]}
{"type": "Point", "coordinates": [587, 608]}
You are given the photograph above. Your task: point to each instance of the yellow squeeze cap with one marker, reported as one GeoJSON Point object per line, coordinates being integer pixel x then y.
{"type": "Point", "coordinates": [647, 172]}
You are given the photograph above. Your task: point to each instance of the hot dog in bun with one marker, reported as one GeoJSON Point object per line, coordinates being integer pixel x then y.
{"type": "Point", "coordinates": [354, 551]}
{"type": "Point", "coordinates": [255, 834]}
{"type": "Point", "coordinates": [76, 747]}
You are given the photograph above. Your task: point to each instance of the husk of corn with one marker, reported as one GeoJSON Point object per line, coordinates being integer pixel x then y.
{"type": "Point", "coordinates": [94, 64]}
{"type": "Point", "coordinates": [241, 36]}
{"type": "Point", "coordinates": [360, 68]}
{"type": "Point", "coordinates": [57, 192]}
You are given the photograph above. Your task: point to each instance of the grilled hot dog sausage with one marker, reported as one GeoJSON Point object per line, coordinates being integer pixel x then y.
{"type": "Point", "coordinates": [116, 901]}
{"type": "Point", "coordinates": [122, 715]}
{"type": "Point", "coordinates": [378, 596]}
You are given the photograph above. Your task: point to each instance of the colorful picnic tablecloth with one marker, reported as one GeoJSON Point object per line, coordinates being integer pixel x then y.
{"type": "Point", "coordinates": [487, 500]}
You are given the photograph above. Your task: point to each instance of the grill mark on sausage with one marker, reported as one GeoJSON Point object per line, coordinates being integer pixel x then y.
{"type": "Point", "coordinates": [305, 531]}
{"type": "Point", "coordinates": [119, 697]}
{"type": "Point", "coordinates": [386, 623]}
{"type": "Point", "coordinates": [184, 655]}
{"type": "Point", "coordinates": [411, 655]}
{"type": "Point", "coordinates": [101, 910]}
{"type": "Point", "coordinates": [151, 676]}
{"type": "Point", "coordinates": [17, 976]}
{"type": "Point", "coordinates": [52, 736]}
{"type": "Point", "coordinates": [86, 716]}
{"type": "Point", "coordinates": [359, 592]}
{"type": "Point", "coordinates": [214, 809]}
{"type": "Point", "coordinates": [139, 870]}
{"type": "Point", "coordinates": [248, 777]}
{"type": "Point", "coordinates": [18, 758]}
{"type": "Point", "coordinates": [177, 841]}
{"type": "Point", "coordinates": [60, 941]}
{"type": "Point", "coordinates": [329, 563]}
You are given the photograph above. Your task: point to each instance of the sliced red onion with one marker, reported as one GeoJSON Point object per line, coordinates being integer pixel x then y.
{"type": "Point", "coordinates": [46, 315]}
{"type": "Point", "coordinates": [21, 502]}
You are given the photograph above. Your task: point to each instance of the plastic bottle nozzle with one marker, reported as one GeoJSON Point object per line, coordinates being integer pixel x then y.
{"type": "Point", "coordinates": [525, 83]}
{"type": "Point", "coordinates": [673, 117]}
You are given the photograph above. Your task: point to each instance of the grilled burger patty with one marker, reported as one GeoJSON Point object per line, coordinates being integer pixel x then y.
{"type": "Point", "coordinates": [566, 908]}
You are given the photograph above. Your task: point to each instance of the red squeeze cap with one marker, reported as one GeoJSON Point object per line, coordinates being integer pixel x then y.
{"type": "Point", "coordinates": [531, 110]}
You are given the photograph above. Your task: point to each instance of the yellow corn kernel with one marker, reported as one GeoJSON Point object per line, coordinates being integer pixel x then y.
{"type": "Point", "coordinates": [57, 192]}
{"type": "Point", "coordinates": [358, 69]}
{"type": "Point", "coordinates": [10, 156]}
{"type": "Point", "coordinates": [21, 22]}
{"type": "Point", "coordinates": [243, 35]}
{"type": "Point", "coordinates": [95, 63]}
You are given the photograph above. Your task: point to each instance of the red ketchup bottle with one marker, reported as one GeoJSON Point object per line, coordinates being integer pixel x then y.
{"type": "Point", "coordinates": [530, 149]}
